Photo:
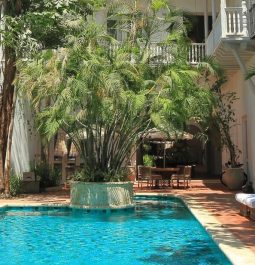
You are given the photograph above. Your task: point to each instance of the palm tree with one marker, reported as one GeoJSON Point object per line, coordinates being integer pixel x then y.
{"type": "Point", "coordinates": [105, 99]}
{"type": "Point", "coordinates": [97, 97]}
{"type": "Point", "coordinates": [26, 27]}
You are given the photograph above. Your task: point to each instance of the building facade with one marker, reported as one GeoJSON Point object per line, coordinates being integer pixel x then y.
{"type": "Point", "coordinates": [222, 28]}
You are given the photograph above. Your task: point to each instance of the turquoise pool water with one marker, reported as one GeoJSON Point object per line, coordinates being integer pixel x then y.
{"type": "Point", "coordinates": [157, 231]}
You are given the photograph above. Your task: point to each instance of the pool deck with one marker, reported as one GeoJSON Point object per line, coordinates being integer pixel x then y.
{"type": "Point", "coordinates": [212, 204]}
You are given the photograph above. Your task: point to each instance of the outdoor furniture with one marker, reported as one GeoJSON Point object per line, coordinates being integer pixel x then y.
{"type": "Point", "coordinates": [246, 204]}
{"type": "Point", "coordinates": [165, 172]}
{"type": "Point", "coordinates": [184, 177]}
{"type": "Point", "coordinates": [145, 175]}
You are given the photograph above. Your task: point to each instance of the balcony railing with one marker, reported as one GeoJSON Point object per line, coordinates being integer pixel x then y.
{"type": "Point", "coordinates": [161, 54]}
{"type": "Point", "coordinates": [235, 25]}
{"type": "Point", "coordinates": [196, 53]}
{"type": "Point", "coordinates": [231, 24]}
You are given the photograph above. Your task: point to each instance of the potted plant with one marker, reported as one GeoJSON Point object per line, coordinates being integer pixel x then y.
{"type": "Point", "coordinates": [233, 176]}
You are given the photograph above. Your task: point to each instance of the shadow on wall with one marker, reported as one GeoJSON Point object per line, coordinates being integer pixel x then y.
{"type": "Point", "coordinates": [24, 139]}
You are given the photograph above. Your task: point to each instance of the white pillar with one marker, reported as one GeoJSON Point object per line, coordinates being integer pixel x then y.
{"type": "Point", "coordinates": [213, 11]}
{"type": "Point", "coordinates": [206, 18]}
{"type": "Point", "coordinates": [245, 20]}
{"type": "Point", "coordinates": [223, 17]}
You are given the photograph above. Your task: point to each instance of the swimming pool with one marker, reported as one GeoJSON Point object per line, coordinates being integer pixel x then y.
{"type": "Point", "coordinates": [157, 231]}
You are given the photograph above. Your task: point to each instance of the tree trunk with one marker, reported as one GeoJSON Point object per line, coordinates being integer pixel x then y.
{"type": "Point", "coordinates": [7, 169]}
{"type": "Point", "coordinates": [7, 101]}
{"type": "Point", "coordinates": [6, 114]}
{"type": "Point", "coordinates": [1, 97]}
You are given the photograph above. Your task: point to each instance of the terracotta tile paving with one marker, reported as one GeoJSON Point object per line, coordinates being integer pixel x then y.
{"type": "Point", "coordinates": [56, 197]}
{"type": "Point", "coordinates": [213, 196]}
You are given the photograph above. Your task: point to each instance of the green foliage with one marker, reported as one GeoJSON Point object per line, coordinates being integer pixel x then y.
{"type": "Point", "coordinates": [41, 24]}
{"type": "Point", "coordinates": [146, 147]}
{"type": "Point", "coordinates": [105, 98]}
{"type": "Point", "coordinates": [182, 99]}
{"type": "Point", "coordinates": [104, 91]}
{"type": "Point", "coordinates": [102, 176]}
{"type": "Point", "coordinates": [250, 74]}
{"type": "Point", "coordinates": [224, 120]}
{"type": "Point", "coordinates": [48, 176]}
{"type": "Point", "coordinates": [148, 160]}
{"type": "Point", "coordinates": [15, 184]}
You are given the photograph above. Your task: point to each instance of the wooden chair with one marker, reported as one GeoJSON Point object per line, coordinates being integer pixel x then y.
{"type": "Point", "coordinates": [184, 177]}
{"type": "Point", "coordinates": [145, 175]}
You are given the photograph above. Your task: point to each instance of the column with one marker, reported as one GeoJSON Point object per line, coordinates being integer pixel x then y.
{"type": "Point", "coordinates": [213, 11]}
{"type": "Point", "coordinates": [223, 17]}
{"type": "Point", "coordinates": [245, 20]}
{"type": "Point", "coordinates": [206, 18]}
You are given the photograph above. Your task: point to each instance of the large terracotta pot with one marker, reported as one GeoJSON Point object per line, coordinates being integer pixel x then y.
{"type": "Point", "coordinates": [103, 195]}
{"type": "Point", "coordinates": [234, 178]}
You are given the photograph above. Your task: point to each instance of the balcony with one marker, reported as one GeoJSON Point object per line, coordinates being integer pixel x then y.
{"type": "Point", "coordinates": [196, 53]}
{"type": "Point", "coordinates": [161, 54]}
{"type": "Point", "coordinates": [231, 36]}
{"type": "Point", "coordinates": [230, 25]}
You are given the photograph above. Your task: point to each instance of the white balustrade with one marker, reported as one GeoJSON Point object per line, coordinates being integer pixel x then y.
{"type": "Point", "coordinates": [230, 23]}
{"type": "Point", "coordinates": [161, 54]}
{"type": "Point", "coordinates": [234, 21]}
{"type": "Point", "coordinates": [196, 53]}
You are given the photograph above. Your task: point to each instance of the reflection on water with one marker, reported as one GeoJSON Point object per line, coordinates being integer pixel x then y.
{"type": "Point", "coordinates": [156, 231]}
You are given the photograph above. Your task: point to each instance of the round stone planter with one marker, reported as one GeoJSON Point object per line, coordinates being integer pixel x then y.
{"type": "Point", "coordinates": [234, 178]}
{"type": "Point", "coordinates": [103, 195]}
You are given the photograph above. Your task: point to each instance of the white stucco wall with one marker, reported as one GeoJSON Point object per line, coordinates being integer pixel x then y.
{"type": "Point", "coordinates": [245, 110]}
{"type": "Point", "coordinates": [234, 3]}
{"type": "Point", "coordinates": [194, 6]}
{"type": "Point", "coordinates": [235, 84]}
{"type": "Point", "coordinates": [249, 98]}
{"type": "Point", "coordinates": [25, 140]}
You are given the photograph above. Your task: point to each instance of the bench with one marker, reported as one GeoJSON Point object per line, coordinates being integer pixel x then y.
{"type": "Point", "coordinates": [247, 204]}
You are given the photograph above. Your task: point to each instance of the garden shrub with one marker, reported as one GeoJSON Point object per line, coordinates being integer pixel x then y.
{"type": "Point", "coordinates": [48, 177]}
{"type": "Point", "coordinates": [15, 184]}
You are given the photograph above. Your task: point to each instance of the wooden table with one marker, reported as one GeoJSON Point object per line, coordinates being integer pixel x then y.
{"type": "Point", "coordinates": [166, 171]}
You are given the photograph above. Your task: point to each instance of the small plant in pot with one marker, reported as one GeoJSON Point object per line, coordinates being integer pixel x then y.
{"type": "Point", "coordinates": [147, 158]}
{"type": "Point", "coordinates": [233, 176]}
